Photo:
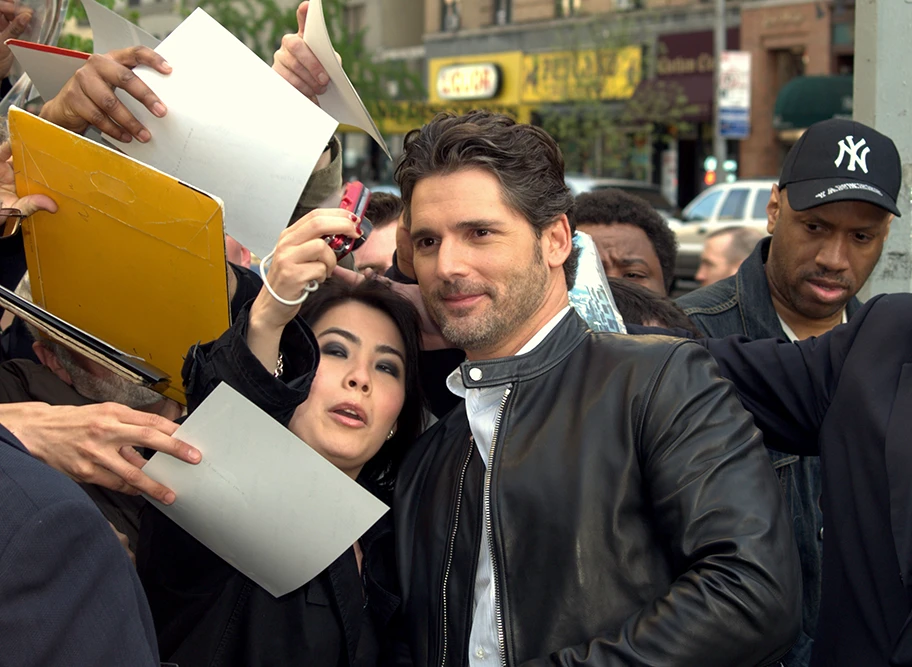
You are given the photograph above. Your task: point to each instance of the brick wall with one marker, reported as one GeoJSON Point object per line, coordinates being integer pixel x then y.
{"type": "Point", "coordinates": [771, 34]}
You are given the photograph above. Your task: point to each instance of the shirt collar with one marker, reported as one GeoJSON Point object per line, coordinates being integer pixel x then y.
{"type": "Point", "coordinates": [454, 379]}
{"type": "Point", "coordinates": [791, 334]}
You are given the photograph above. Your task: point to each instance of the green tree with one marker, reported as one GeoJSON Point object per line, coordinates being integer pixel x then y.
{"type": "Point", "coordinates": [75, 10]}
{"type": "Point", "coordinates": [261, 24]}
{"type": "Point", "coordinates": [600, 136]}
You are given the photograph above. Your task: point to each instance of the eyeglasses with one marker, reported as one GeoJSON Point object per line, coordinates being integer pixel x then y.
{"type": "Point", "coordinates": [10, 221]}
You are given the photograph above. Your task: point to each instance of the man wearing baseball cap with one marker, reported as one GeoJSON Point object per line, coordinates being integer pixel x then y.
{"type": "Point", "coordinates": [828, 218]}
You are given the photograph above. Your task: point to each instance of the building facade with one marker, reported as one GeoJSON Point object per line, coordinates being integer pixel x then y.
{"type": "Point", "coordinates": [626, 86]}
{"type": "Point", "coordinates": [802, 61]}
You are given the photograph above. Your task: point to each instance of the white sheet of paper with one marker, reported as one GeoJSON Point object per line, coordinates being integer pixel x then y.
{"type": "Point", "coordinates": [111, 31]}
{"type": "Point", "coordinates": [48, 71]}
{"type": "Point", "coordinates": [234, 128]}
{"type": "Point", "coordinates": [341, 100]}
{"type": "Point", "coordinates": [260, 498]}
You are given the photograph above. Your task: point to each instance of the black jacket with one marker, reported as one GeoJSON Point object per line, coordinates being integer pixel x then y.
{"type": "Point", "coordinates": [847, 397]}
{"type": "Point", "coordinates": [635, 516]}
{"type": "Point", "coordinates": [207, 614]}
{"type": "Point", "coordinates": [742, 305]}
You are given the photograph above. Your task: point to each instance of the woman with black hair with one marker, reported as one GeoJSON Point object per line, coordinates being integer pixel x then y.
{"type": "Point", "coordinates": [341, 372]}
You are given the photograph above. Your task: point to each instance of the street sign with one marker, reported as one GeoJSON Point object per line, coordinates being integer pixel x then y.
{"type": "Point", "coordinates": [735, 94]}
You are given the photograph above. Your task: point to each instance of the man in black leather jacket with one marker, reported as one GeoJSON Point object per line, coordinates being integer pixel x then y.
{"type": "Point", "coordinates": [598, 499]}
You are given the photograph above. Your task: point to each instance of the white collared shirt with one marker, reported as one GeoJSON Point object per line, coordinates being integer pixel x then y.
{"type": "Point", "coordinates": [791, 334]}
{"type": "Point", "coordinates": [482, 405]}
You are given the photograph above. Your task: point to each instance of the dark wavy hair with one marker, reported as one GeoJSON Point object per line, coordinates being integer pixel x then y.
{"type": "Point", "coordinates": [612, 206]}
{"type": "Point", "coordinates": [379, 474]}
{"type": "Point", "coordinates": [384, 209]}
{"type": "Point", "coordinates": [524, 158]}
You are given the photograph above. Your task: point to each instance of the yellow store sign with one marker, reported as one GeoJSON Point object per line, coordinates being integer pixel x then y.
{"type": "Point", "coordinates": [564, 76]}
{"type": "Point", "coordinates": [461, 74]}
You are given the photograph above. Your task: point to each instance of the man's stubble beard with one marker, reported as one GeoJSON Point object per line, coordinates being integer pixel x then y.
{"type": "Point", "coordinates": [523, 295]}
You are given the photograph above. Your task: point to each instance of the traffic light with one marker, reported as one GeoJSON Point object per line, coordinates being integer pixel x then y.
{"type": "Point", "coordinates": [709, 170]}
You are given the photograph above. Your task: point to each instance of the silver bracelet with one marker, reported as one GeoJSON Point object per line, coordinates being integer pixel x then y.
{"type": "Point", "coordinates": [280, 366]}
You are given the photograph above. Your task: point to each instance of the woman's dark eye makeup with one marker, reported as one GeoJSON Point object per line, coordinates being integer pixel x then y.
{"type": "Point", "coordinates": [389, 367]}
{"type": "Point", "coordinates": [334, 349]}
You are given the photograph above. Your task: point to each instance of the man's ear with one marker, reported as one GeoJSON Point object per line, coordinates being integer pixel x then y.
{"type": "Point", "coordinates": [557, 242]}
{"type": "Point", "coordinates": [49, 359]}
{"type": "Point", "coordinates": [773, 209]}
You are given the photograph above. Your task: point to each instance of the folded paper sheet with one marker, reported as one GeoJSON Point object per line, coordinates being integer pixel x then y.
{"type": "Point", "coordinates": [234, 128]}
{"type": "Point", "coordinates": [341, 100]}
{"type": "Point", "coordinates": [111, 31]}
{"type": "Point", "coordinates": [49, 67]}
{"type": "Point", "coordinates": [132, 256]}
{"type": "Point", "coordinates": [260, 498]}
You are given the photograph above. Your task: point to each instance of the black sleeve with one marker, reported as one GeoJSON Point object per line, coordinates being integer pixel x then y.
{"type": "Point", "coordinates": [249, 285]}
{"type": "Point", "coordinates": [229, 360]}
{"type": "Point", "coordinates": [716, 502]}
{"type": "Point", "coordinates": [788, 387]}
{"type": "Point", "coordinates": [12, 261]}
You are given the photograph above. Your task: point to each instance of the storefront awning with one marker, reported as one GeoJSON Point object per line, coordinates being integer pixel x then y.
{"type": "Point", "coordinates": [806, 100]}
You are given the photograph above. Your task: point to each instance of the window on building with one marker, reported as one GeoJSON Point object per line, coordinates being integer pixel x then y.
{"type": "Point", "coordinates": [353, 15]}
{"type": "Point", "coordinates": [566, 8]}
{"type": "Point", "coordinates": [133, 3]}
{"type": "Point", "coordinates": [450, 16]}
{"type": "Point", "coordinates": [502, 12]}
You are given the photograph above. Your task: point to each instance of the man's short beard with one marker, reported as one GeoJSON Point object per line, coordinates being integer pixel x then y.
{"type": "Point", "coordinates": [522, 296]}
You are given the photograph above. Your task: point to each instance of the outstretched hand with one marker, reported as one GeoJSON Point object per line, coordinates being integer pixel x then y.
{"type": "Point", "coordinates": [9, 198]}
{"type": "Point", "coordinates": [88, 97]}
{"type": "Point", "coordinates": [95, 444]}
{"type": "Point", "coordinates": [297, 63]}
{"type": "Point", "coordinates": [14, 19]}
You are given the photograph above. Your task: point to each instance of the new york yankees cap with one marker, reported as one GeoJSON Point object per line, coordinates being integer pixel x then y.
{"type": "Point", "coordinates": [842, 160]}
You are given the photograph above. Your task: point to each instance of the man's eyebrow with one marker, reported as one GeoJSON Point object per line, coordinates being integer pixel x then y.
{"type": "Point", "coordinates": [387, 349]}
{"type": "Point", "coordinates": [348, 335]}
{"type": "Point", "coordinates": [629, 261]}
{"type": "Point", "coordinates": [476, 224]}
{"type": "Point", "coordinates": [425, 232]}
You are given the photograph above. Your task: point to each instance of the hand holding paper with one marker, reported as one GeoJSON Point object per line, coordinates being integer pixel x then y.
{"type": "Point", "coordinates": [340, 100]}
{"type": "Point", "coordinates": [88, 98]}
{"type": "Point", "coordinates": [14, 19]}
{"type": "Point", "coordinates": [260, 498]}
{"type": "Point", "coordinates": [297, 63]}
{"type": "Point", "coordinates": [254, 145]}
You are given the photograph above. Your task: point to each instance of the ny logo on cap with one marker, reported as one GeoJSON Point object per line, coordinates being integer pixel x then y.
{"type": "Point", "coordinates": [848, 147]}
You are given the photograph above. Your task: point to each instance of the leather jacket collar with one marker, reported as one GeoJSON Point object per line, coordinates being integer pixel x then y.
{"type": "Point", "coordinates": [566, 336]}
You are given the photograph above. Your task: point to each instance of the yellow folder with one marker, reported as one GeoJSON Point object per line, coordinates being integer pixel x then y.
{"type": "Point", "coordinates": [133, 256]}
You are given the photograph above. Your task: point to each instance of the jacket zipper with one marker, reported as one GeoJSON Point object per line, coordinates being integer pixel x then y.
{"type": "Point", "coordinates": [449, 564]}
{"type": "Point", "coordinates": [498, 612]}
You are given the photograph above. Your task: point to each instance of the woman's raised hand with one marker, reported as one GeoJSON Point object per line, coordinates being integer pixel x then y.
{"type": "Point", "coordinates": [301, 256]}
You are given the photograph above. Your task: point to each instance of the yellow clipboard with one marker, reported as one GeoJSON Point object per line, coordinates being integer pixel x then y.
{"type": "Point", "coordinates": [132, 256]}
